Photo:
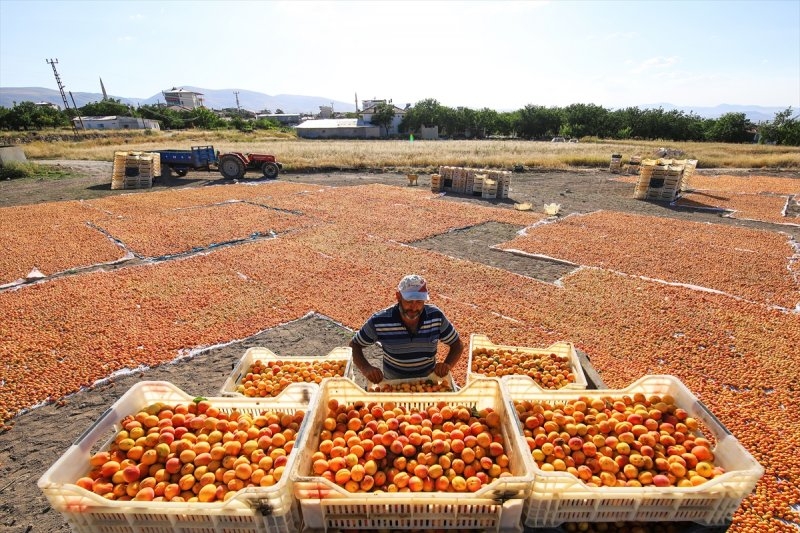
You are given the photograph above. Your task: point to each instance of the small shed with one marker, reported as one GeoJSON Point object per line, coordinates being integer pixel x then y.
{"type": "Point", "coordinates": [336, 128]}
{"type": "Point", "coordinates": [114, 122]}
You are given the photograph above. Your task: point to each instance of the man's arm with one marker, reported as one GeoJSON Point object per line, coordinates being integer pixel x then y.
{"type": "Point", "coordinates": [372, 373]}
{"type": "Point", "coordinates": [453, 355]}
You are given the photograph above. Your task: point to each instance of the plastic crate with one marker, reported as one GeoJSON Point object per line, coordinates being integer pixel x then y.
{"type": "Point", "coordinates": [558, 497]}
{"type": "Point", "coordinates": [562, 349]}
{"type": "Point", "coordinates": [448, 380]}
{"type": "Point", "coordinates": [497, 507]}
{"type": "Point", "coordinates": [259, 509]}
{"type": "Point", "coordinates": [229, 388]}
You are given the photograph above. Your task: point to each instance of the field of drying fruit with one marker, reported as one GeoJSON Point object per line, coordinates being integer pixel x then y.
{"type": "Point", "coordinates": [192, 276]}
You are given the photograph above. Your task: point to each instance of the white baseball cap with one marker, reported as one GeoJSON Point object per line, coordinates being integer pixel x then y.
{"type": "Point", "coordinates": [413, 287]}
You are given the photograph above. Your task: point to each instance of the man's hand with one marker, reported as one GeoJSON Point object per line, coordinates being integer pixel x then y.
{"type": "Point", "coordinates": [373, 373]}
{"type": "Point", "coordinates": [441, 369]}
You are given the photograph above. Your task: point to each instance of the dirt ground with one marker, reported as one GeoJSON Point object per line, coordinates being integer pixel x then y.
{"type": "Point", "coordinates": [32, 446]}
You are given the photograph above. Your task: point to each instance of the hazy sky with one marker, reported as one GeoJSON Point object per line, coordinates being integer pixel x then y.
{"type": "Point", "coordinates": [496, 54]}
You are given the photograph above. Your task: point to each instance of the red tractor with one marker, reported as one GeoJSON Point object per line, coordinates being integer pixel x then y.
{"type": "Point", "coordinates": [233, 165]}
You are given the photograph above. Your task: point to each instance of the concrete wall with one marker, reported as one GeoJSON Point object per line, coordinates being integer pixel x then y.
{"type": "Point", "coordinates": [369, 132]}
{"type": "Point", "coordinates": [10, 154]}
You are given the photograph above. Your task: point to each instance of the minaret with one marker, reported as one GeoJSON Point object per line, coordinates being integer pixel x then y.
{"type": "Point", "coordinates": [356, 102]}
{"type": "Point", "coordinates": [103, 88]}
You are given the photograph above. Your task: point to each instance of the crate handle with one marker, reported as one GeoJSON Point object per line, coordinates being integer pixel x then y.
{"type": "Point", "coordinates": [91, 428]}
{"type": "Point", "coordinates": [712, 417]}
{"type": "Point", "coordinates": [515, 417]}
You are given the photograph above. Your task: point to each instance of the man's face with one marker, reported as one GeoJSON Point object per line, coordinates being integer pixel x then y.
{"type": "Point", "coordinates": [410, 309]}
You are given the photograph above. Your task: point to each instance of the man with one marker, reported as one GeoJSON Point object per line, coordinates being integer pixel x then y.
{"type": "Point", "coordinates": [409, 333]}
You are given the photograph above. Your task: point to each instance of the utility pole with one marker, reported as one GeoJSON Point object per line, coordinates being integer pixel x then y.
{"type": "Point", "coordinates": [238, 107]}
{"type": "Point", "coordinates": [52, 63]}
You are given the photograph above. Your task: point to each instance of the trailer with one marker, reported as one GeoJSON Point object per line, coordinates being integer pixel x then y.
{"type": "Point", "coordinates": [182, 161]}
{"type": "Point", "coordinates": [232, 165]}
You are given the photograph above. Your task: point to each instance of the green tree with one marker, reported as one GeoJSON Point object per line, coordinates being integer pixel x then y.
{"type": "Point", "coordinates": [204, 119]}
{"type": "Point", "coordinates": [424, 113]}
{"type": "Point", "coordinates": [584, 120]}
{"type": "Point", "coordinates": [731, 128]}
{"type": "Point", "coordinates": [538, 121]}
{"type": "Point", "coordinates": [784, 129]}
{"type": "Point", "coordinates": [383, 116]}
{"type": "Point", "coordinates": [106, 108]}
{"type": "Point", "coordinates": [28, 115]}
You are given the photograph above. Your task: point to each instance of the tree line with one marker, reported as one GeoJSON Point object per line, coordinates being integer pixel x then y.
{"type": "Point", "coordinates": [531, 122]}
{"type": "Point", "coordinates": [31, 116]}
{"type": "Point", "coordinates": [588, 120]}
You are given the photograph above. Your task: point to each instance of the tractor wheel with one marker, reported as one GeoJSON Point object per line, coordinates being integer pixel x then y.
{"type": "Point", "coordinates": [231, 167]}
{"type": "Point", "coordinates": [181, 171]}
{"type": "Point", "coordinates": [270, 170]}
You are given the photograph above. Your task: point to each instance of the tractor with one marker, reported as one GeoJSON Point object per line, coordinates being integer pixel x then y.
{"type": "Point", "coordinates": [233, 165]}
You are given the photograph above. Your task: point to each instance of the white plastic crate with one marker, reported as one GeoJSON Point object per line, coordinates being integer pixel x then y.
{"type": "Point", "coordinates": [562, 349]}
{"type": "Point", "coordinates": [259, 509]}
{"type": "Point", "coordinates": [495, 507]}
{"type": "Point", "coordinates": [558, 497]}
{"type": "Point", "coordinates": [229, 388]}
{"type": "Point", "coordinates": [448, 380]}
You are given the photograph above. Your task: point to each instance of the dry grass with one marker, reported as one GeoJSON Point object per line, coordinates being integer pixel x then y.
{"type": "Point", "coordinates": [300, 154]}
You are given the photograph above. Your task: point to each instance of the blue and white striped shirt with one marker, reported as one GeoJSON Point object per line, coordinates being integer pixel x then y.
{"type": "Point", "coordinates": [407, 354]}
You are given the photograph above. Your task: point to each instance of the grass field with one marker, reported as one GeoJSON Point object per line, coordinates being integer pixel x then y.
{"type": "Point", "coordinates": [299, 154]}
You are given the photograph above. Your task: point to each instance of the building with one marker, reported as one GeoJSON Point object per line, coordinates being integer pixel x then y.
{"type": "Point", "coordinates": [182, 98]}
{"type": "Point", "coordinates": [115, 123]}
{"type": "Point", "coordinates": [287, 119]}
{"type": "Point", "coordinates": [337, 128]}
{"type": "Point", "coordinates": [370, 108]}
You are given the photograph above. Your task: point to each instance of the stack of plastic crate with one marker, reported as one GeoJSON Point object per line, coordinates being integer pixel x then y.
{"type": "Point", "coordinates": [634, 165]}
{"type": "Point", "coordinates": [503, 183]}
{"type": "Point", "coordinates": [489, 189]}
{"type": "Point", "coordinates": [436, 183]}
{"type": "Point", "coordinates": [688, 172]}
{"type": "Point", "coordinates": [135, 170]}
{"type": "Point", "coordinates": [459, 180]}
{"type": "Point", "coordinates": [616, 164]}
{"type": "Point", "coordinates": [659, 180]}
{"type": "Point", "coordinates": [477, 185]}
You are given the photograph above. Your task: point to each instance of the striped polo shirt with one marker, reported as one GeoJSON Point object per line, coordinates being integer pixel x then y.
{"type": "Point", "coordinates": [412, 355]}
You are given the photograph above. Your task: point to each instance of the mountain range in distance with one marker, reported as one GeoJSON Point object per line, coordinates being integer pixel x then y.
{"type": "Point", "coordinates": [213, 99]}
{"type": "Point", "coordinates": [292, 103]}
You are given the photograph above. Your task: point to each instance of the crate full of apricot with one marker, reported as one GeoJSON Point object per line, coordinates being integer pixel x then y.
{"type": "Point", "coordinates": [261, 373]}
{"type": "Point", "coordinates": [408, 459]}
{"type": "Point", "coordinates": [649, 452]}
{"type": "Point", "coordinates": [159, 457]}
{"type": "Point", "coordinates": [554, 367]}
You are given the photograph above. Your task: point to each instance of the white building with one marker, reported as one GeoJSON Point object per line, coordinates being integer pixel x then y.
{"type": "Point", "coordinates": [370, 108]}
{"type": "Point", "coordinates": [114, 122]}
{"type": "Point", "coordinates": [183, 98]}
{"type": "Point", "coordinates": [337, 128]}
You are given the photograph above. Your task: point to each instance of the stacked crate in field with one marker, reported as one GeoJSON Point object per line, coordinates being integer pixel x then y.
{"type": "Point", "coordinates": [477, 186]}
{"type": "Point", "coordinates": [503, 178]}
{"type": "Point", "coordinates": [634, 165]}
{"type": "Point", "coordinates": [459, 180]}
{"type": "Point", "coordinates": [616, 164]}
{"type": "Point", "coordinates": [489, 189]}
{"type": "Point", "coordinates": [436, 183]}
{"type": "Point", "coordinates": [135, 170]}
{"type": "Point", "coordinates": [659, 180]}
{"type": "Point", "coordinates": [688, 172]}
{"type": "Point", "coordinates": [470, 175]}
